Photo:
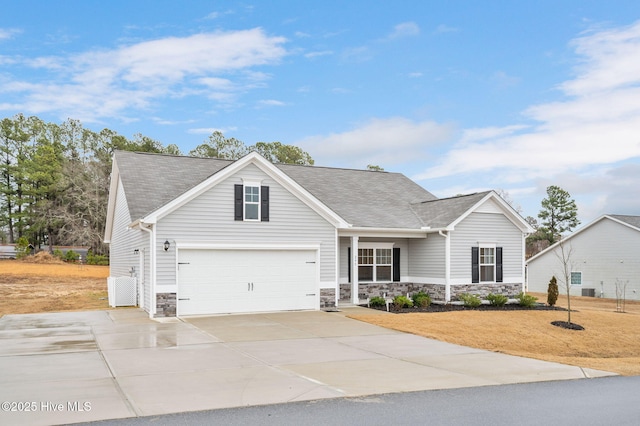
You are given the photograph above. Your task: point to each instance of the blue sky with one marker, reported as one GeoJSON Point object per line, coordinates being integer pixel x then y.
{"type": "Point", "coordinates": [460, 96]}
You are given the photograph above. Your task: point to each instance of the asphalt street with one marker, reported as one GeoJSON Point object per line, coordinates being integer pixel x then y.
{"type": "Point", "coordinates": [601, 401]}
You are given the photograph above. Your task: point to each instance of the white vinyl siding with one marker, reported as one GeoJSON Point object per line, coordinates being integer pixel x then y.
{"type": "Point", "coordinates": [427, 258]}
{"type": "Point", "coordinates": [209, 218]}
{"type": "Point", "coordinates": [124, 241]}
{"type": "Point", "coordinates": [604, 252]}
{"type": "Point", "coordinates": [481, 229]}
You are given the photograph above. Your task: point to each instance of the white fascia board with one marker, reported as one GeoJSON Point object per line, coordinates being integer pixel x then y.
{"type": "Point", "coordinates": [508, 211]}
{"type": "Point", "coordinates": [111, 206]}
{"type": "Point", "coordinates": [384, 232]}
{"type": "Point", "coordinates": [264, 165]}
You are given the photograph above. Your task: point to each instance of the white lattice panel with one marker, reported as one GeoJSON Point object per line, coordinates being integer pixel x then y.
{"type": "Point", "coordinates": [122, 291]}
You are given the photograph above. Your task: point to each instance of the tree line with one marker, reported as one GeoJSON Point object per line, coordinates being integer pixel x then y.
{"type": "Point", "coordinates": [55, 177]}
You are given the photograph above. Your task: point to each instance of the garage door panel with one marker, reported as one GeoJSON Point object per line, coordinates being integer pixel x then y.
{"type": "Point", "coordinates": [219, 281]}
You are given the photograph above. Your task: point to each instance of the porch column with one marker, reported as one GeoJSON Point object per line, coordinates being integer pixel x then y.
{"type": "Point", "coordinates": [354, 271]}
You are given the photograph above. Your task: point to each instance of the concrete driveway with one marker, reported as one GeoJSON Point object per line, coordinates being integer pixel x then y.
{"type": "Point", "coordinates": [84, 366]}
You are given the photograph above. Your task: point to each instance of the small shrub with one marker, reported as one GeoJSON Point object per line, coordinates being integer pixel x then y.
{"type": "Point", "coordinates": [377, 302]}
{"type": "Point", "coordinates": [470, 300]}
{"type": "Point", "coordinates": [58, 253]}
{"type": "Point", "coordinates": [552, 291]}
{"type": "Point", "coordinates": [421, 299]}
{"type": "Point", "coordinates": [400, 302]}
{"type": "Point", "coordinates": [97, 259]}
{"type": "Point", "coordinates": [71, 256]}
{"type": "Point", "coordinates": [526, 300]}
{"type": "Point", "coordinates": [497, 299]}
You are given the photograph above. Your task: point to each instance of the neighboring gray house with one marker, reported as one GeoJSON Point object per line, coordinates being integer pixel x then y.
{"type": "Point", "coordinates": [209, 236]}
{"type": "Point", "coordinates": [605, 250]}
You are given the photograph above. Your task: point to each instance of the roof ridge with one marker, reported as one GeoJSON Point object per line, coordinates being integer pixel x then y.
{"type": "Point", "coordinates": [453, 197]}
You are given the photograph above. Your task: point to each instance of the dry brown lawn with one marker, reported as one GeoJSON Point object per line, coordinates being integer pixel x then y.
{"type": "Point", "coordinates": [38, 287]}
{"type": "Point", "coordinates": [610, 341]}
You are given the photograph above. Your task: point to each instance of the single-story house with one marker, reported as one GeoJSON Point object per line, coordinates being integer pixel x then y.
{"type": "Point", "coordinates": [602, 253]}
{"type": "Point", "coordinates": [205, 236]}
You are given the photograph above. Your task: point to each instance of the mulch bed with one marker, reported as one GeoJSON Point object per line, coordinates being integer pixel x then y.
{"type": "Point", "coordinates": [450, 307]}
{"type": "Point", "coordinates": [567, 325]}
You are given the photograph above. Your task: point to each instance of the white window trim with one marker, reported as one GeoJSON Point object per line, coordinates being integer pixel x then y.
{"type": "Point", "coordinates": [480, 264]}
{"type": "Point", "coordinates": [251, 184]}
{"type": "Point", "coordinates": [375, 247]}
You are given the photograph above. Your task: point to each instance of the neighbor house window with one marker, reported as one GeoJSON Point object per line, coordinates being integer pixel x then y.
{"type": "Point", "coordinates": [487, 264]}
{"type": "Point", "coordinates": [375, 264]}
{"type": "Point", "coordinates": [576, 278]}
{"type": "Point", "coordinates": [251, 202]}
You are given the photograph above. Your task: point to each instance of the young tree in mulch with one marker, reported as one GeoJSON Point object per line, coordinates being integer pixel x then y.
{"type": "Point", "coordinates": [552, 291]}
{"type": "Point", "coordinates": [565, 256]}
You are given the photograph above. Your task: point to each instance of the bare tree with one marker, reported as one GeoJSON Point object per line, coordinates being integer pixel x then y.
{"type": "Point", "coordinates": [621, 294]}
{"type": "Point", "coordinates": [565, 257]}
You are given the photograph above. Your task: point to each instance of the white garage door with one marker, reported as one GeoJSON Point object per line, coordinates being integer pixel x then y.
{"type": "Point", "coordinates": [228, 281]}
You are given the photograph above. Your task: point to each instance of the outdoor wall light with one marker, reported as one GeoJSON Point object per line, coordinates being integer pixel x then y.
{"type": "Point", "coordinates": [167, 244]}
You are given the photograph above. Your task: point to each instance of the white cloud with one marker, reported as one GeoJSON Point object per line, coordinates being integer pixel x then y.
{"type": "Point", "coordinates": [271, 102]}
{"type": "Point", "coordinates": [8, 33]}
{"type": "Point", "coordinates": [587, 142]}
{"type": "Point", "coordinates": [318, 53]}
{"type": "Point", "coordinates": [405, 29]}
{"type": "Point", "coordinates": [381, 141]}
{"type": "Point", "coordinates": [442, 28]}
{"type": "Point", "coordinates": [108, 83]}
{"type": "Point", "coordinates": [597, 123]}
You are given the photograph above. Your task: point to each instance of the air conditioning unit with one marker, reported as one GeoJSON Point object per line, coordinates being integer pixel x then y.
{"type": "Point", "coordinates": [589, 292]}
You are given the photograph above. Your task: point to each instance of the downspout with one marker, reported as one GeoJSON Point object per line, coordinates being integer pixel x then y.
{"type": "Point", "coordinates": [447, 266]}
{"type": "Point", "coordinates": [152, 267]}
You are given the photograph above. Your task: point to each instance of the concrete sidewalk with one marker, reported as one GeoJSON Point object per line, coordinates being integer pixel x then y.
{"type": "Point", "coordinates": [84, 366]}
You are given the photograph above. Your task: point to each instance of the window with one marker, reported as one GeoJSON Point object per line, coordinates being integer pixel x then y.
{"type": "Point", "coordinates": [576, 278]}
{"type": "Point", "coordinates": [251, 202]}
{"type": "Point", "coordinates": [487, 264]}
{"type": "Point", "coordinates": [375, 264]}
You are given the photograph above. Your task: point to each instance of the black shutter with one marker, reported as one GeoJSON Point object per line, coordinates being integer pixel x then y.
{"type": "Point", "coordinates": [396, 264]}
{"type": "Point", "coordinates": [239, 204]}
{"type": "Point", "coordinates": [349, 263]}
{"type": "Point", "coordinates": [264, 208]}
{"type": "Point", "coordinates": [475, 267]}
{"type": "Point", "coordinates": [498, 264]}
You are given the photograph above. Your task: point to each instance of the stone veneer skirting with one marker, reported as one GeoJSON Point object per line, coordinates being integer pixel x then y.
{"type": "Point", "coordinates": [327, 298]}
{"type": "Point", "coordinates": [436, 291]}
{"type": "Point", "coordinates": [166, 305]}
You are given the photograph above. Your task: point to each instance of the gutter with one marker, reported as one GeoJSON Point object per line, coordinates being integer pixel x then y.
{"type": "Point", "coordinates": [152, 266]}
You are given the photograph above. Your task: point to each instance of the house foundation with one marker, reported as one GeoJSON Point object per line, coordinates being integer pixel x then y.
{"type": "Point", "coordinates": [435, 291]}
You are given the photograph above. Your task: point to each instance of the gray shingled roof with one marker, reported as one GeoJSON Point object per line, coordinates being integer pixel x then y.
{"type": "Point", "coordinates": [152, 180]}
{"type": "Point", "coordinates": [631, 220]}
{"type": "Point", "coordinates": [442, 212]}
{"type": "Point", "coordinates": [363, 198]}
